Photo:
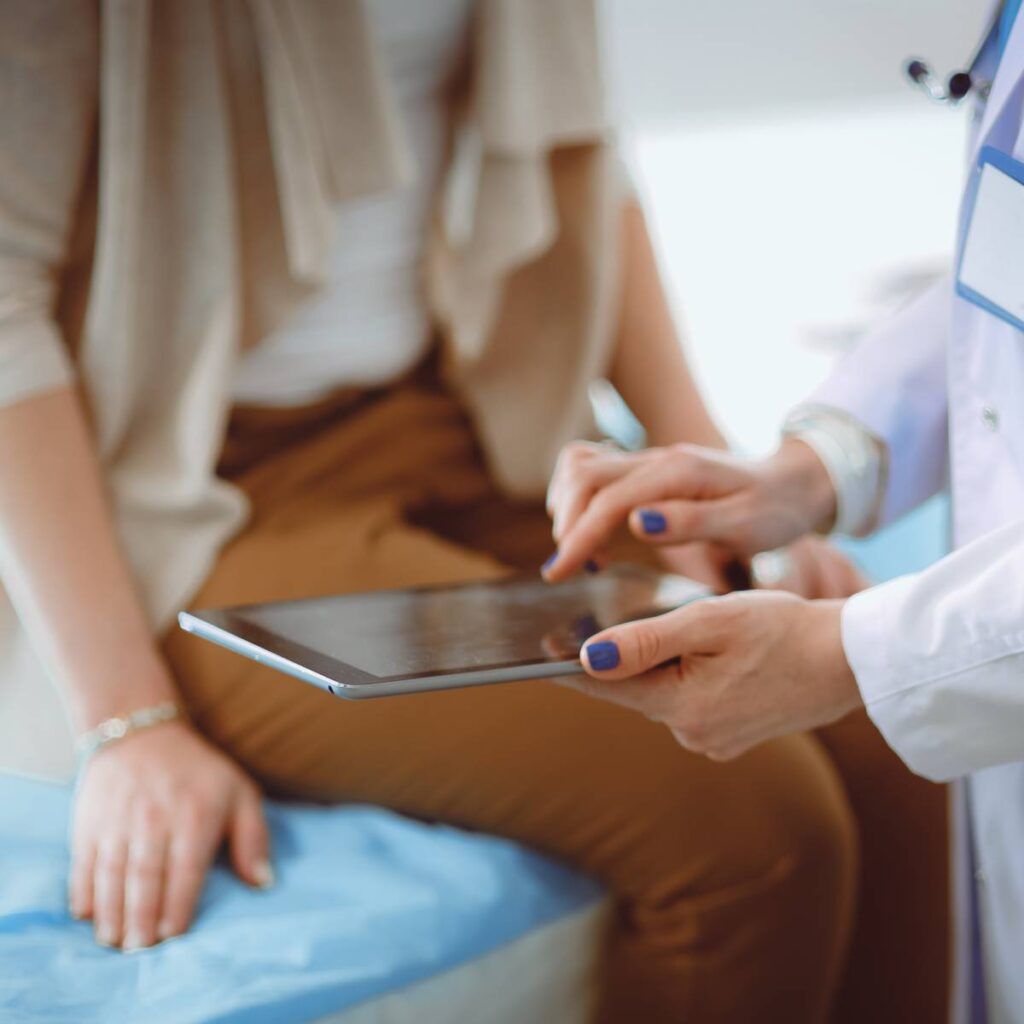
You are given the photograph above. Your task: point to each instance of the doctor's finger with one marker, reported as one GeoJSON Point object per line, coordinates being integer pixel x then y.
{"type": "Point", "coordinates": [604, 514]}
{"type": "Point", "coordinates": [721, 520]}
{"type": "Point", "coordinates": [570, 460]}
{"type": "Point", "coordinates": [791, 569]}
{"type": "Point", "coordinates": [578, 489]}
{"type": "Point", "coordinates": [637, 648]}
{"type": "Point", "coordinates": [669, 475]}
{"type": "Point", "coordinates": [655, 694]}
{"type": "Point", "coordinates": [583, 461]}
{"type": "Point", "coordinates": [840, 577]}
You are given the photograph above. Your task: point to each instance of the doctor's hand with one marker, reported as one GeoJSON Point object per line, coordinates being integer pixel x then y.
{"type": "Point", "coordinates": [151, 811]}
{"type": "Point", "coordinates": [681, 494]}
{"type": "Point", "coordinates": [727, 673]}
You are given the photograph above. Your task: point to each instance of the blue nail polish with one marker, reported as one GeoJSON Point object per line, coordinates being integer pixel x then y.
{"type": "Point", "coordinates": [652, 522]}
{"type": "Point", "coordinates": [550, 562]}
{"type": "Point", "coordinates": [591, 566]}
{"type": "Point", "coordinates": [603, 655]}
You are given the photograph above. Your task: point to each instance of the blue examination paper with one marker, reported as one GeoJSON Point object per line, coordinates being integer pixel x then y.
{"type": "Point", "coordinates": [365, 902]}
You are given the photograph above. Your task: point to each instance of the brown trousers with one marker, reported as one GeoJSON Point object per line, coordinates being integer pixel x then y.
{"type": "Point", "coordinates": [734, 882]}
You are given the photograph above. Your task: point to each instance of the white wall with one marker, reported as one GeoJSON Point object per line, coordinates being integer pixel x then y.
{"type": "Point", "coordinates": [675, 59]}
{"type": "Point", "coordinates": [790, 175]}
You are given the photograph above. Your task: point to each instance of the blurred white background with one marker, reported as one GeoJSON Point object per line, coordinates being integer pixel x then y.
{"type": "Point", "coordinates": [790, 173]}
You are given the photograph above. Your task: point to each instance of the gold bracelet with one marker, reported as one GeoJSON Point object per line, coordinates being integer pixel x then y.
{"type": "Point", "coordinates": [113, 729]}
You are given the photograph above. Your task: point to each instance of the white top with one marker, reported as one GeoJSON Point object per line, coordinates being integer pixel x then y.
{"type": "Point", "coordinates": [369, 324]}
{"type": "Point", "coordinates": [853, 459]}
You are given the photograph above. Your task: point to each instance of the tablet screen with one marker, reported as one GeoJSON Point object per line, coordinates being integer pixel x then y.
{"type": "Point", "coordinates": [428, 631]}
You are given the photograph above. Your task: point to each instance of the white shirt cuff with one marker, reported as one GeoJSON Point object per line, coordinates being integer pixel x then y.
{"type": "Point", "coordinates": [854, 460]}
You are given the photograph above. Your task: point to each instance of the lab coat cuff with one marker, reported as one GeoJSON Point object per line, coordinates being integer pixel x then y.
{"type": "Point", "coordinates": [896, 705]}
{"type": "Point", "coordinates": [865, 633]}
{"type": "Point", "coordinates": [927, 707]}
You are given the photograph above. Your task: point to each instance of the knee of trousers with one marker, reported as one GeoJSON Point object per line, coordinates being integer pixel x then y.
{"type": "Point", "coordinates": [780, 867]}
{"type": "Point", "coordinates": [756, 934]}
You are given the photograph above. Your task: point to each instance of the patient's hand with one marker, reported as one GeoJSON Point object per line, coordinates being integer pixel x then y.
{"type": "Point", "coordinates": [682, 494]}
{"type": "Point", "coordinates": [151, 811]}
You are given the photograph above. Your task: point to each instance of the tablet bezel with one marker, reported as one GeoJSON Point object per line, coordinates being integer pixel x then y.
{"type": "Point", "coordinates": [226, 627]}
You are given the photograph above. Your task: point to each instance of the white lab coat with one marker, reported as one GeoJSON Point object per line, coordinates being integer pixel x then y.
{"type": "Point", "coordinates": [939, 655]}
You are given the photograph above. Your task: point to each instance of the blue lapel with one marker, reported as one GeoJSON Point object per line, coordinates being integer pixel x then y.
{"type": "Point", "coordinates": [1007, 77]}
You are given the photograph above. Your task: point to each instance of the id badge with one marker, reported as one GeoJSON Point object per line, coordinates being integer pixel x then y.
{"type": "Point", "coordinates": [990, 271]}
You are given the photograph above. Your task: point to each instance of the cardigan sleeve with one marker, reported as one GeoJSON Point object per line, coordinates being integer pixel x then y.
{"type": "Point", "coordinates": [48, 97]}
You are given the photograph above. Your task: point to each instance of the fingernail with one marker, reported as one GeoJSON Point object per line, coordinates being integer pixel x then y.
{"type": "Point", "coordinates": [105, 936]}
{"type": "Point", "coordinates": [602, 656]}
{"type": "Point", "coordinates": [652, 521]}
{"type": "Point", "coordinates": [263, 873]}
{"type": "Point", "coordinates": [550, 562]}
{"type": "Point", "coordinates": [591, 566]}
{"type": "Point", "coordinates": [165, 930]}
{"type": "Point", "coordinates": [133, 942]}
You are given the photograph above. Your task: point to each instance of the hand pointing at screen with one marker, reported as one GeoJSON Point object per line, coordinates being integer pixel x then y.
{"type": "Point", "coordinates": [680, 494]}
{"type": "Point", "coordinates": [726, 673]}
{"type": "Point", "coordinates": [682, 498]}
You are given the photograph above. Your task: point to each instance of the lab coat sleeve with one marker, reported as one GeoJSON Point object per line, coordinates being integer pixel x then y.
{"type": "Point", "coordinates": [939, 658]}
{"type": "Point", "coordinates": [894, 384]}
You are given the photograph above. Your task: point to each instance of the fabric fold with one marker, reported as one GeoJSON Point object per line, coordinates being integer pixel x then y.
{"type": "Point", "coordinates": [333, 122]}
{"type": "Point", "coordinates": [536, 86]}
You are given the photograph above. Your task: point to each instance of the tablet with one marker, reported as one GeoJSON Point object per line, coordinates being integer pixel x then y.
{"type": "Point", "coordinates": [433, 638]}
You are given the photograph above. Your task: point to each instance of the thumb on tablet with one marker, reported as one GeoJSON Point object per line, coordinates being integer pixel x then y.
{"type": "Point", "coordinates": [634, 648]}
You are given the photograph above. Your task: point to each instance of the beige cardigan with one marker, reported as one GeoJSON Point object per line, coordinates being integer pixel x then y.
{"type": "Point", "coordinates": [166, 174]}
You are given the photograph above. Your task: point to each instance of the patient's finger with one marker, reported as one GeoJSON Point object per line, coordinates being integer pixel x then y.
{"type": "Point", "coordinates": [108, 890]}
{"type": "Point", "coordinates": [249, 839]}
{"type": "Point", "coordinates": [191, 853]}
{"type": "Point", "coordinates": [144, 884]}
{"type": "Point", "coordinates": [80, 883]}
